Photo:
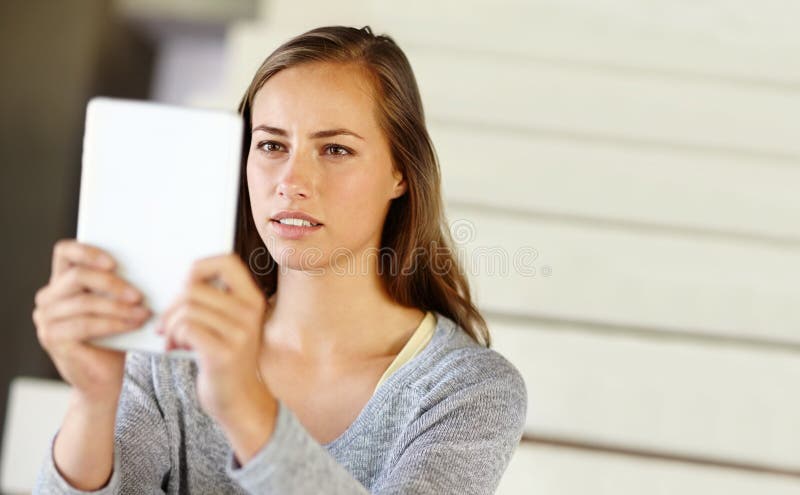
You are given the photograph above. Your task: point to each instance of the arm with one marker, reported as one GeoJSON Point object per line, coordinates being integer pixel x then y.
{"type": "Point", "coordinates": [459, 445]}
{"type": "Point", "coordinates": [84, 463]}
{"type": "Point", "coordinates": [132, 456]}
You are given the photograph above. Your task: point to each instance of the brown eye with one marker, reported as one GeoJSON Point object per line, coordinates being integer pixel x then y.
{"type": "Point", "coordinates": [269, 146]}
{"type": "Point", "coordinates": [337, 150]}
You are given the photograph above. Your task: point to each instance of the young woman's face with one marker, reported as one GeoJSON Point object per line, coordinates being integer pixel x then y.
{"type": "Point", "coordinates": [316, 148]}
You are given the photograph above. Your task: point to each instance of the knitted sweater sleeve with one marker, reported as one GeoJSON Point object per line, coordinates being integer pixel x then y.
{"type": "Point", "coordinates": [141, 447]}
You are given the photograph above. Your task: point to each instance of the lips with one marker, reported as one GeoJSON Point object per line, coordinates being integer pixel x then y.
{"type": "Point", "coordinates": [294, 214]}
{"type": "Point", "coordinates": [293, 232]}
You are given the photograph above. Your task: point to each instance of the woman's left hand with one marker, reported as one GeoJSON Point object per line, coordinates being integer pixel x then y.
{"type": "Point", "coordinates": [224, 326]}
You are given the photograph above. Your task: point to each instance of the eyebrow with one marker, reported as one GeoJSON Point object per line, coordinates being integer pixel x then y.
{"type": "Point", "coordinates": [316, 135]}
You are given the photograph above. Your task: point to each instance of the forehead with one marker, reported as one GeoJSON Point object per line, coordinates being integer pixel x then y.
{"type": "Point", "coordinates": [315, 92]}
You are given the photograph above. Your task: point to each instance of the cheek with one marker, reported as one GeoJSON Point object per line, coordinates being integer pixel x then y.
{"type": "Point", "coordinates": [257, 180]}
{"type": "Point", "coordinates": [257, 185]}
{"type": "Point", "coordinates": [360, 202]}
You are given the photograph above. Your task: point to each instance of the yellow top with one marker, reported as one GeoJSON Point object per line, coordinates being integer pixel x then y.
{"type": "Point", "coordinates": [419, 339]}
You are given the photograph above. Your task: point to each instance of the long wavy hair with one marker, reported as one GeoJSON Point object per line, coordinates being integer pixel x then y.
{"type": "Point", "coordinates": [421, 270]}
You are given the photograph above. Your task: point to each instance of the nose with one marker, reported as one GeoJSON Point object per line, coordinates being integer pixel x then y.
{"type": "Point", "coordinates": [291, 191]}
{"type": "Point", "coordinates": [296, 181]}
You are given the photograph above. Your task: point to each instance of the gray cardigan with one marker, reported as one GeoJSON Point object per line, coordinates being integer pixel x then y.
{"type": "Point", "coordinates": [446, 422]}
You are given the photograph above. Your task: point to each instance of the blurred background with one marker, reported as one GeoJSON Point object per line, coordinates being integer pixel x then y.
{"type": "Point", "coordinates": [621, 175]}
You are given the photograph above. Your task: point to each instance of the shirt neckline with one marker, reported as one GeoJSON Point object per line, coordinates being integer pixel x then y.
{"type": "Point", "coordinates": [378, 399]}
{"type": "Point", "coordinates": [414, 345]}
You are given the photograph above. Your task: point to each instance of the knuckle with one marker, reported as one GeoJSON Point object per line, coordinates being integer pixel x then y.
{"type": "Point", "coordinates": [75, 274]}
{"type": "Point", "coordinates": [107, 279]}
{"type": "Point", "coordinates": [44, 336]}
{"type": "Point", "coordinates": [85, 302]}
{"type": "Point", "coordinates": [39, 296]}
{"type": "Point", "coordinates": [109, 282]}
{"type": "Point", "coordinates": [83, 327]}
{"type": "Point", "coordinates": [59, 246]}
{"type": "Point", "coordinates": [62, 246]}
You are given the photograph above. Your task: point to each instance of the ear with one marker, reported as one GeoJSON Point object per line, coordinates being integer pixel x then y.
{"type": "Point", "coordinates": [400, 185]}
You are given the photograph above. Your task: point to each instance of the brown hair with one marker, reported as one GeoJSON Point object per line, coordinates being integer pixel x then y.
{"type": "Point", "coordinates": [425, 274]}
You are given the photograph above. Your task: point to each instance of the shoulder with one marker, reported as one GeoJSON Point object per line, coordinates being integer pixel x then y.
{"type": "Point", "coordinates": [456, 361]}
{"type": "Point", "coordinates": [457, 368]}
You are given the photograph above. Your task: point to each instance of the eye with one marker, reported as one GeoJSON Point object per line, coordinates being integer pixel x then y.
{"type": "Point", "coordinates": [337, 150]}
{"type": "Point", "coordinates": [269, 146]}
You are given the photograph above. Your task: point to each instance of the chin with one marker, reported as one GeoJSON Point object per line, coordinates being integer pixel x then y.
{"type": "Point", "coordinates": [297, 257]}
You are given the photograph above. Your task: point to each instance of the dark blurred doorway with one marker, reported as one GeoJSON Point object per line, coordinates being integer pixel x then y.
{"type": "Point", "coordinates": [54, 56]}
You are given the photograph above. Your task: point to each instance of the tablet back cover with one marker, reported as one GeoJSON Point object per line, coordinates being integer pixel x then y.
{"type": "Point", "coordinates": [159, 187]}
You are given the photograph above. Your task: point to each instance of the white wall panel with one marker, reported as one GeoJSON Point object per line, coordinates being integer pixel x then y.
{"type": "Point", "coordinates": [675, 396]}
{"type": "Point", "coordinates": [584, 101]}
{"type": "Point", "coordinates": [750, 196]}
{"type": "Point", "coordinates": [724, 402]}
{"type": "Point", "coordinates": [650, 280]}
{"type": "Point", "coordinates": [741, 40]}
{"type": "Point", "coordinates": [537, 469]}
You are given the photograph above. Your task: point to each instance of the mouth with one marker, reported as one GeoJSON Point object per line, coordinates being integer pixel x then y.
{"type": "Point", "coordinates": [297, 222]}
{"type": "Point", "coordinates": [295, 217]}
{"type": "Point", "coordinates": [294, 228]}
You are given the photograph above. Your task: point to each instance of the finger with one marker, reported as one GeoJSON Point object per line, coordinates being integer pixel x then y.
{"type": "Point", "coordinates": [77, 279]}
{"type": "Point", "coordinates": [233, 273]}
{"type": "Point", "coordinates": [87, 327]}
{"type": "Point", "coordinates": [194, 336]}
{"type": "Point", "coordinates": [190, 314]}
{"type": "Point", "coordinates": [70, 252]}
{"type": "Point", "coordinates": [233, 308]}
{"type": "Point", "coordinates": [90, 304]}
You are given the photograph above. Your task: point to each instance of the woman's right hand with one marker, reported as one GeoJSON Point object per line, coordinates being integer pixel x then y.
{"type": "Point", "coordinates": [85, 299]}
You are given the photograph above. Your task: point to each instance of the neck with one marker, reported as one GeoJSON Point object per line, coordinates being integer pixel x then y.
{"type": "Point", "coordinates": [331, 316]}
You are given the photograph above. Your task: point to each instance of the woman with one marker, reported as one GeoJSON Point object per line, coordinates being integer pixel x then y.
{"type": "Point", "coordinates": [338, 350]}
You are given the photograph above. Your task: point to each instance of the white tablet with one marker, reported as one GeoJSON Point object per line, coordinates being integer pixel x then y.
{"type": "Point", "coordinates": [159, 187]}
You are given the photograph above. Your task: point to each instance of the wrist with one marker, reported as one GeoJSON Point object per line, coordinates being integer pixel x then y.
{"type": "Point", "coordinates": [92, 407]}
{"type": "Point", "coordinates": [84, 445]}
{"type": "Point", "coordinates": [251, 426]}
